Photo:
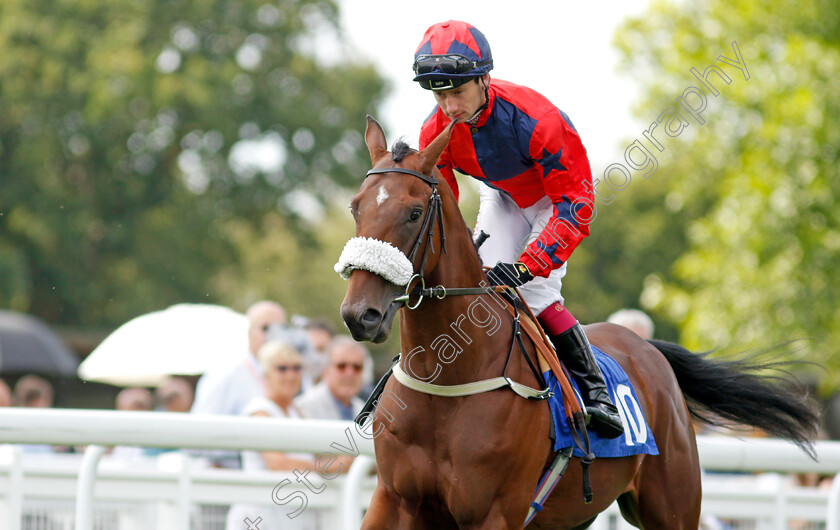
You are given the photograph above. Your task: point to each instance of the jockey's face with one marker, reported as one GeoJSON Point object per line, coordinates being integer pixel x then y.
{"type": "Point", "coordinates": [461, 102]}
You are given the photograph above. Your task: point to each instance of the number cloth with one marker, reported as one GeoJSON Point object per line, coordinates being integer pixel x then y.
{"type": "Point", "coordinates": [637, 437]}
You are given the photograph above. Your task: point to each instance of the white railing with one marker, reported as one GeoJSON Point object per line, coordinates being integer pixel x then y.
{"type": "Point", "coordinates": [176, 486]}
{"type": "Point", "coordinates": [97, 429]}
{"type": "Point", "coordinates": [175, 430]}
{"type": "Point", "coordinates": [169, 492]}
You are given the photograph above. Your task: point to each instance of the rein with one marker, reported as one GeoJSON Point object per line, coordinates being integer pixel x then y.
{"type": "Point", "coordinates": [434, 214]}
{"type": "Point", "coordinates": [440, 292]}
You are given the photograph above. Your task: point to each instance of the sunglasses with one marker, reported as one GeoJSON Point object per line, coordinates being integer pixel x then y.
{"type": "Point", "coordinates": [445, 64]}
{"type": "Point", "coordinates": [283, 368]}
{"type": "Point", "coordinates": [343, 366]}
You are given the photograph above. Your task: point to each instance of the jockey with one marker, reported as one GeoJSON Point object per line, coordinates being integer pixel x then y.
{"type": "Point", "coordinates": [535, 192]}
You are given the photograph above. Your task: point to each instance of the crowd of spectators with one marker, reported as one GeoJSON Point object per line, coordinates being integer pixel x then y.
{"type": "Point", "coordinates": [299, 369]}
{"type": "Point", "coordinates": [324, 379]}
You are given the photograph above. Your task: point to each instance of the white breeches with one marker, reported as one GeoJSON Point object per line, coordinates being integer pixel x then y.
{"type": "Point", "coordinates": [511, 229]}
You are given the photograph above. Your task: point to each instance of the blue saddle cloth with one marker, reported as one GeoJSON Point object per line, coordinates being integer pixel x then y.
{"type": "Point", "coordinates": [637, 438]}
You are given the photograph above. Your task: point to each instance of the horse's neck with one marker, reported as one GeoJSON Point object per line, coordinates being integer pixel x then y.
{"type": "Point", "coordinates": [458, 336]}
{"type": "Point", "coordinates": [460, 265]}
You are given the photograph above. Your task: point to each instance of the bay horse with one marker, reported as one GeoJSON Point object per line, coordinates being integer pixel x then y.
{"type": "Point", "coordinates": [474, 461]}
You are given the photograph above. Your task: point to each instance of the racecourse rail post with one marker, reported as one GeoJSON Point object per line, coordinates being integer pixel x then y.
{"type": "Point", "coordinates": [351, 496]}
{"type": "Point", "coordinates": [84, 489]}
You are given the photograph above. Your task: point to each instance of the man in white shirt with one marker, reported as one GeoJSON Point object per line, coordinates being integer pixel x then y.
{"type": "Point", "coordinates": [635, 320]}
{"type": "Point", "coordinates": [336, 396]}
{"type": "Point", "coordinates": [227, 391]}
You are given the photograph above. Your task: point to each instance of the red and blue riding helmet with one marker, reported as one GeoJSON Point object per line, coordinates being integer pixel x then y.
{"type": "Point", "coordinates": [450, 54]}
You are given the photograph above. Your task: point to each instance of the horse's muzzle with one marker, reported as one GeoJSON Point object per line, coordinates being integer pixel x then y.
{"type": "Point", "coordinates": [367, 323]}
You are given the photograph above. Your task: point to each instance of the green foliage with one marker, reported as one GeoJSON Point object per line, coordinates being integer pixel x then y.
{"type": "Point", "coordinates": [279, 261]}
{"type": "Point", "coordinates": [632, 237]}
{"type": "Point", "coordinates": [125, 130]}
{"type": "Point", "coordinates": [759, 180]}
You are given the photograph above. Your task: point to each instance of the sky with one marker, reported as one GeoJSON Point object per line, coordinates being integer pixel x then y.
{"type": "Point", "coordinates": [561, 49]}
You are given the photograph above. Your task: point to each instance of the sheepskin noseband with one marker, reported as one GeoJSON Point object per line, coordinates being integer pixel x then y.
{"type": "Point", "coordinates": [378, 257]}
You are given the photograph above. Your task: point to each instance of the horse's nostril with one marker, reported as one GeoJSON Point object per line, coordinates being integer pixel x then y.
{"type": "Point", "coordinates": [371, 317]}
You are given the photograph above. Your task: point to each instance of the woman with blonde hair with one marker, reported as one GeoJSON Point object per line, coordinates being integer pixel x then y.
{"type": "Point", "coordinates": [282, 366]}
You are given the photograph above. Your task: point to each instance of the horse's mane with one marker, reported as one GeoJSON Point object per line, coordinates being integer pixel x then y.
{"type": "Point", "coordinates": [400, 150]}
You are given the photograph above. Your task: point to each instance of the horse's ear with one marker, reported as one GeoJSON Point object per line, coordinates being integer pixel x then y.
{"type": "Point", "coordinates": [431, 153]}
{"type": "Point", "coordinates": [375, 140]}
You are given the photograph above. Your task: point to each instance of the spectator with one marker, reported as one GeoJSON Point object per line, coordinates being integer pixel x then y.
{"type": "Point", "coordinates": [174, 395]}
{"type": "Point", "coordinates": [229, 390]}
{"type": "Point", "coordinates": [133, 399]}
{"type": "Point", "coordinates": [283, 368]}
{"type": "Point", "coordinates": [36, 392]}
{"type": "Point", "coordinates": [636, 321]}
{"type": "Point", "coordinates": [336, 397]}
{"type": "Point", "coordinates": [5, 394]}
{"type": "Point", "coordinates": [33, 391]}
{"type": "Point", "coordinates": [296, 336]}
{"type": "Point", "coordinates": [320, 334]}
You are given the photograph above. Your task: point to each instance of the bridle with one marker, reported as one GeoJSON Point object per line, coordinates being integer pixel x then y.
{"type": "Point", "coordinates": [434, 215]}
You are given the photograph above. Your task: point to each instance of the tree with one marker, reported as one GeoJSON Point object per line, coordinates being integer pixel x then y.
{"type": "Point", "coordinates": [761, 174]}
{"type": "Point", "coordinates": [137, 136]}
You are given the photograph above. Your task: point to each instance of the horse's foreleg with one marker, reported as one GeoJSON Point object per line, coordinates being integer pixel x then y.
{"type": "Point", "coordinates": [383, 511]}
{"type": "Point", "coordinates": [497, 519]}
{"type": "Point", "coordinates": [386, 511]}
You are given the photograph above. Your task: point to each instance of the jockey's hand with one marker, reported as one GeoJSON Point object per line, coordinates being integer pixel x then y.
{"type": "Point", "coordinates": [510, 274]}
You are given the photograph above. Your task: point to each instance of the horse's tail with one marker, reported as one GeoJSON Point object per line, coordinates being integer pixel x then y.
{"type": "Point", "coordinates": [720, 392]}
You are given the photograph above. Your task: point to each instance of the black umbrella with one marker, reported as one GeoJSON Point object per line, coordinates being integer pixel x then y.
{"type": "Point", "coordinates": [27, 345]}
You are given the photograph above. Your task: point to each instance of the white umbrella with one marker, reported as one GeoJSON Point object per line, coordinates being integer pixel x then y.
{"type": "Point", "coordinates": [184, 339]}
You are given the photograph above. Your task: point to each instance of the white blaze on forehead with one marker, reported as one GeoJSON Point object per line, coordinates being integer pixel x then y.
{"type": "Point", "coordinates": [382, 195]}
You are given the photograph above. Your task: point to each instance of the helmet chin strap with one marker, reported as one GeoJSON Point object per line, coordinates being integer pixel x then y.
{"type": "Point", "coordinates": [474, 118]}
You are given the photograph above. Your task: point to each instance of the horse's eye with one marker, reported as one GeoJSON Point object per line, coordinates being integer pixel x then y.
{"type": "Point", "coordinates": [415, 215]}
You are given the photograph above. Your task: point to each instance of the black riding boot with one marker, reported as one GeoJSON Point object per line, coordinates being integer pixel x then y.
{"type": "Point", "coordinates": [573, 348]}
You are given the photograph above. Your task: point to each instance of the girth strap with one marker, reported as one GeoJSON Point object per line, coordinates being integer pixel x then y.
{"type": "Point", "coordinates": [550, 479]}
